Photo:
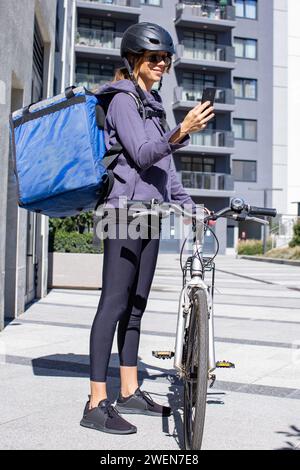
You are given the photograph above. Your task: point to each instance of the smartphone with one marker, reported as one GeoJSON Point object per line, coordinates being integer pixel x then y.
{"type": "Point", "coordinates": [209, 94]}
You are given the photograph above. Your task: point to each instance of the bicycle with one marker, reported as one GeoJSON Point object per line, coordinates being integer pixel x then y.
{"type": "Point", "coordinates": [194, 355]}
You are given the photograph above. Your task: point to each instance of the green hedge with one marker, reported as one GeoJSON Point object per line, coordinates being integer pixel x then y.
{"type": "Point", "coordinates": [81, 223]}
{"type": "Point", "coordinates": [252, 247]}
{"type": "Point", "coordinates": [296, 240]}
{"type": "Point", "coordinates": [72, 242]}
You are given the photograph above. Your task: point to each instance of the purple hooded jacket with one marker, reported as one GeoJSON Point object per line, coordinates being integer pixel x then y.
{"type": "Point", "coordinates": [145, 170]}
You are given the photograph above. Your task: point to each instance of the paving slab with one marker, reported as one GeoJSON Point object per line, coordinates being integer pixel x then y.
{"type": "Point", "coordinates": [44, 365]}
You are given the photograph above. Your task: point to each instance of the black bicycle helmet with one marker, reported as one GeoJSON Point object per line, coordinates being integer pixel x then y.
{"type": "Point", "coordinates": [146, 36]}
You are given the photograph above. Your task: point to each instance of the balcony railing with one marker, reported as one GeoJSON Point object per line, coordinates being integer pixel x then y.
{"type": "Point", "coordinates": [206, 51]}
{"type": "Point", "coordinates": [213, 138]}
{"type": "Point", "coordinates": [98, 38]}
{"type": "Point", "coordinates": [207, 181]}
{"type": "Point", "coordinates": [121, 3]}
{"type": "Point", "coordinates": [211, 11]}
{"type": "Point", "coordinates": [91, 81]}
{"type": "Point", "coordinates": [194, 93]}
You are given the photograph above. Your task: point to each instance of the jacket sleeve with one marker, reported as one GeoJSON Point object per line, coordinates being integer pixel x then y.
{"type": "Point", "coordinates": [178, 194]}
{"type": "Point", "coordinates": [126, 120]}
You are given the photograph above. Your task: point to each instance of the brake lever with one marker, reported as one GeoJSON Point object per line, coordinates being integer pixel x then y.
{"type": "Point", "coordinates": [141, 213]}
{"type": "Point", "coordinates": [245, 217]}
{"type": "Point", "coordinates": [163, 214]}
{"type": "Point", "coordinates": [256, 219]}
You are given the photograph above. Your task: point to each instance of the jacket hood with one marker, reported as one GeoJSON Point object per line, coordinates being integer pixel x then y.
{"type": "Point", "coordinates": [107, 91]}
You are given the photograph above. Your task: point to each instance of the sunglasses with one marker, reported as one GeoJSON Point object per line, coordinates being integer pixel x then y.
{"type": "Point", "coordinates": [156, 58]}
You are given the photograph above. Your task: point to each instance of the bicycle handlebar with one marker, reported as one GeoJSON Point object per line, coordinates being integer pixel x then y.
{"type": "Point", "coordinates": [263, 211]}
{"type": "Point", "coordinates": [238, 208]}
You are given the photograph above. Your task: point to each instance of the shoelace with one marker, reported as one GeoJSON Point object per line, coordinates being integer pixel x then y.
{"type": "Point", "coordinates": [147, 397]}
{"type": "Point", "coordinates": [110, 410]}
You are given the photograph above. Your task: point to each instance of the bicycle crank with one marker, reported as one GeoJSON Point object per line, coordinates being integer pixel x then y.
{"type": "Point", "coordinates": [163, 354]}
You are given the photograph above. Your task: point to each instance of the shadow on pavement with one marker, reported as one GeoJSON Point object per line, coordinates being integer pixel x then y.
{"type": "Point", "coordinates": [294, 433]}
{"type": "Point", "coordinates": [77, 365]}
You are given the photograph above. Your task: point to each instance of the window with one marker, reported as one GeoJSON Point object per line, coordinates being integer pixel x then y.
{"type": "Point", "coordinates": [198, 45]}
{"type": "Point", "coordinates": [244, 170]}
{"type": "Point", "coordinates": [246, 9]}
{"type": "Point", "coordinates": [245, 129]}
{"type": "Point", "coordinates": [92, 74]}
{"type": "Point", "coordinates": [245, 88]}
{"type": "Point", "coordinates": [198, 164]}
{"type": "Point", "coordinates": [154, 3]}
{"type": "Point", "coordinates": [96, 23]}
{"type": "Point", "coordinates": [96, 32]}
{"type": "Point", "coordinates": [95, 68]}
{"type": "Point", "coordinates": [245, 48]}
{"type": "Point", "coordinates": [193, 84]}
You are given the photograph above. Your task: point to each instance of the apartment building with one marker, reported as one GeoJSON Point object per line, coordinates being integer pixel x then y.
{"type": "Point", "coordinates": [26, 75]}
{"type": "Point", "coordinates": [293, 108]}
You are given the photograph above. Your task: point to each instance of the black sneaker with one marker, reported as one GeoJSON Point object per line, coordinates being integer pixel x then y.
{"type": "Point", "coordinates": [106, 418]}
{"type": "Point", "coordinates": [141, 403]}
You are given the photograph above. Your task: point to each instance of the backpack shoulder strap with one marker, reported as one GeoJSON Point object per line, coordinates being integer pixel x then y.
{"type": "Point", "coordinates": [139, 104]}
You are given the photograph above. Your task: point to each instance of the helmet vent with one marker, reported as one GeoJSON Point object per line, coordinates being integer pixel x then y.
{"type": "Point", "coordinates": [154, 41]}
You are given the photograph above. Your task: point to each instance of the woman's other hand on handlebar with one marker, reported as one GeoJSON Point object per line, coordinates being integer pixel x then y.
{"type": "Point", "coordinates": [211, 223]}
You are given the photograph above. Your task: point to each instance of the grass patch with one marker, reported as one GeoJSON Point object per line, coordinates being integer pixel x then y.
{"type": "Point", "coordinates": [284, 253]}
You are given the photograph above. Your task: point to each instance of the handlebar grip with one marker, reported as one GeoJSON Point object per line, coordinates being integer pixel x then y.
{"type": "Point", "coordinates": [264, 211]}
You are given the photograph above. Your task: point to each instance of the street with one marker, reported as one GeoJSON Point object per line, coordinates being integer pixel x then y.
{"type": "Point", "coordinates": [44, 365]}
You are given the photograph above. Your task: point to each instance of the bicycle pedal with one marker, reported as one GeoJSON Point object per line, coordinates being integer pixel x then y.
{"type": "Point", "coordinates": [163, 354]}
{"type": "Point", "coordinates": [225, 365]}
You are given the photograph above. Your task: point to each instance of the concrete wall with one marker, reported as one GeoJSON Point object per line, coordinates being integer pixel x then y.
{"type": "Point", "coordinates": [16, 39]}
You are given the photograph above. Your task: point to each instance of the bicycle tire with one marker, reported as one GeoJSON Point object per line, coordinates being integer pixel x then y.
{"type": "Point", "coordinates": [196, 367]}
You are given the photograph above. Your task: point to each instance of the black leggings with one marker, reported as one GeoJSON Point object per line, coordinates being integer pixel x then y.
{"type": "Point", "coordinates": [128, 270]}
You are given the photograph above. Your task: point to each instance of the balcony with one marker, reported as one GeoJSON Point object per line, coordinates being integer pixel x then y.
{"type": "Point", "coordinates": [210, 142]}
{"type": "Point", "coordinates": [205, 55]}
{"type": "Point", "coordinates": [207, 184]}
{"type": "Point", "coordinates": [117, 8]}
{"type": "Point", "coordinates": [91, 81]}
{"type": "Point", "coordinates": [95, 41]}
{"type": "Point", "coordinates": [192, 13]}
{"type": "Point", "coordinates": [186, 98]}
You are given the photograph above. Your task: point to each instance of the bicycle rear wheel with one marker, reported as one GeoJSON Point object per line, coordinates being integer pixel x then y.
{"type": "Point", "coordinates": [196, 367]}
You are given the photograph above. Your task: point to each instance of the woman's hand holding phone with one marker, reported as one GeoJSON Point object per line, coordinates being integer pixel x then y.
{"type": "Point", "coordinates": [196, 120]}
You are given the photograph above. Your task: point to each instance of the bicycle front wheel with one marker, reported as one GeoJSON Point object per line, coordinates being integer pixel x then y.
{"type": "Point", "coordinates": [196, 368]}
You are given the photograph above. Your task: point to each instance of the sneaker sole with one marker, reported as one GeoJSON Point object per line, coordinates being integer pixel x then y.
{"type": "Point", "coordinates": [97, 427]}
{"type": "Point", "coordinates": [131, 411]}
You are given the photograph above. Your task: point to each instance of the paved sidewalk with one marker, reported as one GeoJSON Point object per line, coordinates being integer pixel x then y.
{"type": "Point", "coordinates": [44, 365]}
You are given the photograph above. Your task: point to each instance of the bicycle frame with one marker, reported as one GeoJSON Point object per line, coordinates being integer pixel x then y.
{"type": "Point", "coordinates": [196, 281]}
{"type": "Point", "coordinates": [238, 211]}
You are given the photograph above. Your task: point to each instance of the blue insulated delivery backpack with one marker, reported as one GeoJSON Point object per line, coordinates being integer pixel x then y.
{"type": "Point", "coordinates": [60, 160]}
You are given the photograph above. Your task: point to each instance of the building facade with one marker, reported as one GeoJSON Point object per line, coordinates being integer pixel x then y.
{"type": "Point", "coordinates": [26, 75]}
{"type": "Point", "coordinates": [229, 45]}
{"type": "Point", "coordinates": [293, 107]}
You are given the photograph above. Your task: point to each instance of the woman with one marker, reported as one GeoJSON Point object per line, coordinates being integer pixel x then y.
{"type": "Point", "coordinates": [144, 171]}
